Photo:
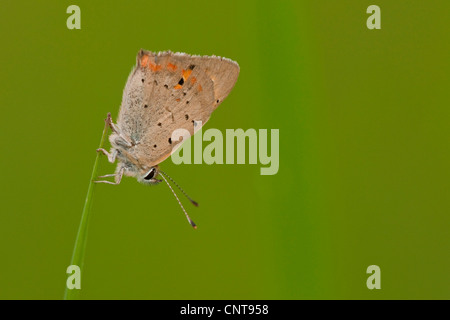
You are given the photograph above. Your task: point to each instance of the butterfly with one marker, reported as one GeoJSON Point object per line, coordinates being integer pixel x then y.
{"type": "Point", "coordinates": [164, 92]}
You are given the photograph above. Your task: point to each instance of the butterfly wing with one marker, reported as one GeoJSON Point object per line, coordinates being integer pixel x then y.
{"type": "Point", "coordinates": [169, 91]}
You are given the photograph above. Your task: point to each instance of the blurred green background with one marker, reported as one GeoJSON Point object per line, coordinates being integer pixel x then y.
{"type": "Point", "coordinates": [364, 152]}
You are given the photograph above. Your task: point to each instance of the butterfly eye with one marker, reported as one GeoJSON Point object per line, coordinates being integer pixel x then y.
{"type": "Point", "coordinates": [150, 174]}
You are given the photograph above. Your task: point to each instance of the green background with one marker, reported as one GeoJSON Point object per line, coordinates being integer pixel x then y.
{"type": "Point", "coordinates": [364, 152]}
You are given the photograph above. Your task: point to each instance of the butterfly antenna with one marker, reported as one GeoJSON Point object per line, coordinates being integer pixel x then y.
{"type": "Point", "coordinates": [179, 202]}
{"type": "Point", "coordinates": [185, 194]}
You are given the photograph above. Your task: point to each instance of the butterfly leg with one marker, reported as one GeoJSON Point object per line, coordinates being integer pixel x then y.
{"type": "Point", "coordinates": [124, 141]}
{"type": "Point", "coordinates": [118, 177]}
{"type": "Point", "coordinates": [111, 124]}
{"type": "Point", "coordinates": [111, 156]}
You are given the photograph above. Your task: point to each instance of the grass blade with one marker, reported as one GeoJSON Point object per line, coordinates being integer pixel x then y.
{"type": "Point", "coordinates": [80, 242]}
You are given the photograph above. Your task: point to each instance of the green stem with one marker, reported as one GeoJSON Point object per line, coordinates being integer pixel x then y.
{"type": "Point", "coordinates": [80, 242]}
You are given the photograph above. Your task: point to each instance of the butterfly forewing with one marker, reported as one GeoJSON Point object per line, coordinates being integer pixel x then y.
{"type": "Point", "coordinates": [169, 91]}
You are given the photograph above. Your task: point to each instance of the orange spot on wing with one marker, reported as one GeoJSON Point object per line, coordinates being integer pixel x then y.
{"type": "Point", "coordinates": [144, 61]}
{"type": "Point", "coordinates": [186, 74]}
{"type": "Point", "coordinates": [171, 67]}
{"type": "Point", "coordinates": [200, 88]}
{"type": "Point", "coordinates": [193, 80]}
{"type": "Point", "coordinates": [154, 67]}
{"type": "Point", "coordinates": [178, 100]}
{"type": "Point", "coordinates": [177, 87]}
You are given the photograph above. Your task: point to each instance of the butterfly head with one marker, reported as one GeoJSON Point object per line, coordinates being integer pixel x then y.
{"type": "Point", "coordinates": [149, 176]}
